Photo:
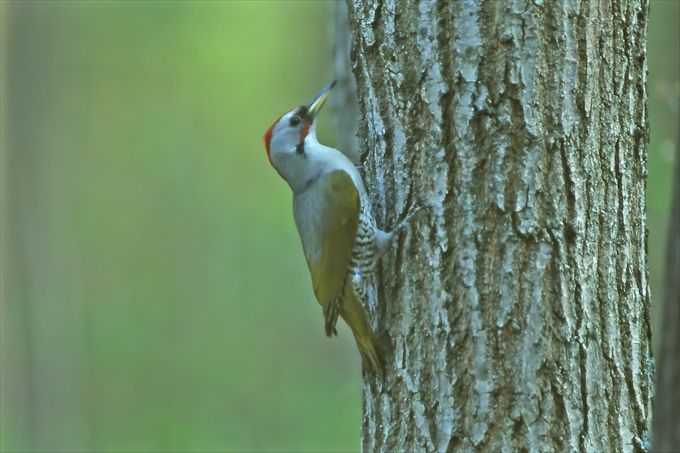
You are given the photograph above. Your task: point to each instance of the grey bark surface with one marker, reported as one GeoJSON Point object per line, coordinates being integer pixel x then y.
{"type": "Point", "coordinates": [667, 401]}
{"type": "Point", "coordinates": [516, 316]}
{"type": "Point", "coordinates": [345, 102]}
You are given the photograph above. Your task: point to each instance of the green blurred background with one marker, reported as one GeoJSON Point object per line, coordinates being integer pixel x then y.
{"type": "Point", "coordinates": [154, 294]}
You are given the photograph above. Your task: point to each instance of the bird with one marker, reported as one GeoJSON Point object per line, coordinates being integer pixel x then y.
{"type": "Point", "coordinates": [337, 228]}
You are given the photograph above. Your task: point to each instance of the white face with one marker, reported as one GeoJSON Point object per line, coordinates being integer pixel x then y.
{"type": "Point", "coordinates": [285, 139]}
{"type": "Point", "coordinates": [285, 143]}
{"type": "Point", "coordinates": [289, 132]}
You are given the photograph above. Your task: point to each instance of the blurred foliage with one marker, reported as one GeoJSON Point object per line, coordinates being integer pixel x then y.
{"type": "Point", "coordinates": [664, 103]}
{"type": "Point", "coordinates": [154, 295]}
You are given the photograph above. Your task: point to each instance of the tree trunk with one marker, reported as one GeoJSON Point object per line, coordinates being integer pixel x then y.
{"type": "Point", "coordinates": [345, 102]}
{"type": "Point", "coordinates": [515, 317]}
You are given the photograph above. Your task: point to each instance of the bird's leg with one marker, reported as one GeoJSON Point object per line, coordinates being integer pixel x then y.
{"type": "Point", "coordinates": [384, 239]}
{"type": "Point", "coordinates": [414, 210]}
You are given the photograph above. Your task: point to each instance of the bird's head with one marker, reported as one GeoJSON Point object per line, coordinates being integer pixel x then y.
{"type": "Point", "coordinates": [285, 139]}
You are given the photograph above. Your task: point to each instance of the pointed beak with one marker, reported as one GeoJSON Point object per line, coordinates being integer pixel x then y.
{"type": "Point", "coordinates": [317, 101]}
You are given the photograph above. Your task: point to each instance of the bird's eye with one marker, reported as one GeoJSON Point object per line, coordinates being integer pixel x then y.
{"type": "Point", "coordinates": [294, 121]}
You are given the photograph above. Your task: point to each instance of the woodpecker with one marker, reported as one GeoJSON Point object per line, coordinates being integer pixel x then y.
{"type": "Point", "coordinates": [333, 216]}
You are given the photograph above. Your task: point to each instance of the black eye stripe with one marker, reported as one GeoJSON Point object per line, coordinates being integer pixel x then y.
{"type": "Point", "coordinates": [302, 111]}
{"type": "Point", "coordinates": [300, 115]}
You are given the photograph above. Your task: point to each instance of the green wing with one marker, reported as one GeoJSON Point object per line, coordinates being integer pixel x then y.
{"type": "Point", "coordinates": [338, 232]}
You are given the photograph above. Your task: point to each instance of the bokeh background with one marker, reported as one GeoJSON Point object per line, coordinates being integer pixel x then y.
{"type": "Point", "coordinates": [154, 295]}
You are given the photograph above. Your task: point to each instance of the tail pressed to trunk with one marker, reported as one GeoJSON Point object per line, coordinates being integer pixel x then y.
{"type": "Point", "coordinates": [372, 354]}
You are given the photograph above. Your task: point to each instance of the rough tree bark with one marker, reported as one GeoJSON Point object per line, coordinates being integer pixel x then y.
{"type": "Point", "coordinates": [515, 317]}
